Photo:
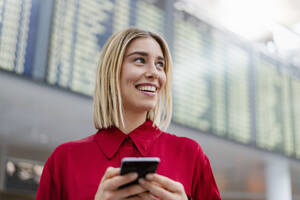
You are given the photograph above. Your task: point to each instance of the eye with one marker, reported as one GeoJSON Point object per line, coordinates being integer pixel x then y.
{"type": "Point", "coordinates": [160, 64]}
{"type": "Point", "coordinates": [139, 60]}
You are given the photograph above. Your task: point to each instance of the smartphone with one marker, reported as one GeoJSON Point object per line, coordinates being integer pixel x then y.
{"type": "Point", "coordinates": [141, 165]}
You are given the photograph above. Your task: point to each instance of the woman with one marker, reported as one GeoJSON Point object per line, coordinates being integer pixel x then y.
{"type": "Point", "coordinates": [132, 103]}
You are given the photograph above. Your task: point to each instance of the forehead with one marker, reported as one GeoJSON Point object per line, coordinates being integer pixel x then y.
{"type": "Point", "coordinates": [148, 45]}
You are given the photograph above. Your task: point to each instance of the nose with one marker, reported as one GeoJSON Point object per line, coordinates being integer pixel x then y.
{"type": "Point", "coordinates": [152, 71]}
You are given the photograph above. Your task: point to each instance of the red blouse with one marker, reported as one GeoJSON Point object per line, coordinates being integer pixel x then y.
{"type": "Point", "coordinates": [74, 169]}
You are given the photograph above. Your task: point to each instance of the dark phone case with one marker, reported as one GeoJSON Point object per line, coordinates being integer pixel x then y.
{"type": "Point", "coordinates": [142, 168]}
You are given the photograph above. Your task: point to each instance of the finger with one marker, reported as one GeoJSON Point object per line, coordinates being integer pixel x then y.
{"type": "Point", "coordinates": [117, 181]}
{"type": "Point", "coordinates": [169, 184]}
{"type": "Point", "coordinates": [147, 196]}
{"type": "Point", "coordinates": [111, 172]}
{"type": "Point", "coordinates": [129, 191]}
{"type": "Point", "coordinates": [155, 189]}
{"type": "Point", "coordinates": [134, 198]}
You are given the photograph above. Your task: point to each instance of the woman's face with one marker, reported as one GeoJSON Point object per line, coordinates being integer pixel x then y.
{"type": "Point", "coordinates": [142, 75]}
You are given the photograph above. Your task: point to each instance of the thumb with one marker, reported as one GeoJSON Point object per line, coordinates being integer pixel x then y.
{"type": "Point", "coordinates": [110, 172]}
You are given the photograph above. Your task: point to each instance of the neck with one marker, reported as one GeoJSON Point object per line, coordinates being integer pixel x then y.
{"type": "Point", "coordinates": [132, 120]}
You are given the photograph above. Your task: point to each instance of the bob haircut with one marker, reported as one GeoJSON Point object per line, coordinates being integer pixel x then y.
{"type": "Point", "coordinates": [107, 95]}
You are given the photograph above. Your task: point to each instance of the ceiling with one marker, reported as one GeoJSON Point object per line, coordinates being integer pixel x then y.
{"type": "Point", "coordinates": [252, 20]}
{"type": "Point", "coordinates": [270, 24]}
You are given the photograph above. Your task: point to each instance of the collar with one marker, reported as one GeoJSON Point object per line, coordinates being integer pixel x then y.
{"type": "Point", "coordinates": [109, 140]}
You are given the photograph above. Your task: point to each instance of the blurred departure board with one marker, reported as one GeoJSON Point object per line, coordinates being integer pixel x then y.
{"type": "Point", "coordinates": [237, 70]}
{"type": "Point", "coordinates": [81, 28]}
{"type": "Point", "coordinates": [287, 116]}
{"type": "Point", "coordinates": [18, 20]}
{"type": "Point", "coordinates": [210, 81]}
{"type": "Point", "coordinates": [295, 88]}
{"type": "Point", "coordinates": [78, 33]}
{"type": "Point", "coordinates": [213, 78]}
{"type": "Point", "coordinates": [192, 75]}
{"type": "Point", "coordinates": [269, 101]}
{"type": "Point", "coordinates": [277, 108]}
{"type": "Point", "coordinates": [150, 16]}
{"type": "Point", "coordinates": [219, 122]}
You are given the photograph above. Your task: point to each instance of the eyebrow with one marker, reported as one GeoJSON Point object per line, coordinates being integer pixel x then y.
{"type": "Point", "coordinates": [142, 53]}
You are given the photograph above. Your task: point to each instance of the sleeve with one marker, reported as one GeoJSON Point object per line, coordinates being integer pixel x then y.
{"type": "Point", "coordinates": [48, 188]}
{"type": "Point", "coordinates": [204, 184]}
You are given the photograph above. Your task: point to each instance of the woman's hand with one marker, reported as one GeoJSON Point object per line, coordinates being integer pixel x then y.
{"type": "Point", "coordinates": [111, 181]}
{"type": "Point", "coordinates": [161, 187]}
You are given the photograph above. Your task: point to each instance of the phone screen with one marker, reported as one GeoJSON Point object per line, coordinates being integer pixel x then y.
{"type": "Point", "coordinates": [142, 166]}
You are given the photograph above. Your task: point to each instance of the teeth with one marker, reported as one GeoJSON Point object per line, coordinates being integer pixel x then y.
{"type": "Point", "coordinates": [147, 88]}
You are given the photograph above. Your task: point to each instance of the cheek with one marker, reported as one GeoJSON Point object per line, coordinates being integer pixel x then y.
{"type": "Point", "coordinates": [163, 79]}
{"type": "Point", "coordinates": [129, 74]}
{"type": "Point", "coordinates": [126, 77]}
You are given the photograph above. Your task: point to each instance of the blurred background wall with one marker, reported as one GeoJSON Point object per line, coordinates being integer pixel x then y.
{"type": "Point", "coordinates": [236, 86]}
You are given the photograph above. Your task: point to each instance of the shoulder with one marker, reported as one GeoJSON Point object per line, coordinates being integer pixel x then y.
{"type": "Point", "coordinates": [179, 139]}
{"type": "Point", "coordinates": [182, 143]}
{"type": "Point", "coordinates": [75, 144]}
{"type": "Point", "coordinates": [74, 148]}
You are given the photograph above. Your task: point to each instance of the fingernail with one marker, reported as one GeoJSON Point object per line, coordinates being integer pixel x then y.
{"type": "Point", "coordinates": [134, 175]}
{"type": "Point", "coordinates": [149, 176]}
{"type": "Point", "coordinates": [142, 181]}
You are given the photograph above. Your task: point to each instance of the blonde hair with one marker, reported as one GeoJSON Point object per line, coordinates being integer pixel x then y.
{"type": "Point", "coordinates": [107, 95]}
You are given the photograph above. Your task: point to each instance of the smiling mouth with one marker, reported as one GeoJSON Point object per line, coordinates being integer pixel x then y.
{"type": "Point", "coordinates": [146, 88]}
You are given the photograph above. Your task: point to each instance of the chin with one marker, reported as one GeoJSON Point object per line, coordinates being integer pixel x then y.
{"type": "Point", "coordinates": [147, 107]}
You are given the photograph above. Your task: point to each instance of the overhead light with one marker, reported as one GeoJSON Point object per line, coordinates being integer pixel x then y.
{"type": "Point", "coordinates": [253, 19]}
{"type": "Point", "coordinates": [250, 19]}
{"type": "Point", "coordinates": [271, 47]}
{"type": "Point", "coordinates": [296, 28]}
{"type": "Point", "coordinates": [285, 39]}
